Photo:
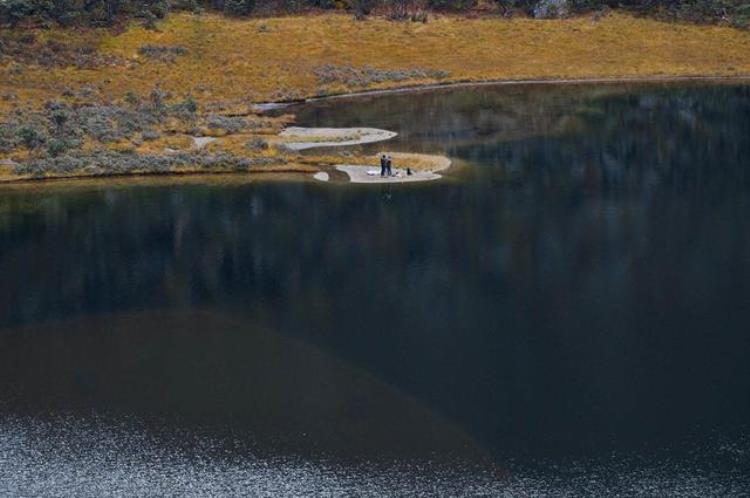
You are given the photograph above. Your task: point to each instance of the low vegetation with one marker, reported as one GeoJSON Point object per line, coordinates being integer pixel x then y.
{"type": "Point", "coordinates": [156, 134]}
{"type": "Point", "coordinates": [110, 12]}
{"type": "Point", "coordinates": [368, 76]}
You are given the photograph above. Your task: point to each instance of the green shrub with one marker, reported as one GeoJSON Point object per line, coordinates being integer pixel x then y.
{"type": "Point", "coordinates": [59, 117]}
{"type": "Point", "coordinates": [132, 98]}
{"type": "Point", "coordinates": [162, 53]}
{"type": "Point", "coordinates": [256, 144]}
{"type": "Point", "coordinates": [7, 142]}
{"type": "Point", "coordinates": [238, 7]}
{"type": "Point", "coordinates": [14, 11]}
{"type": "Point", "coordinates": [451, 4]}
{"type": "Point", "coordinates": [362, 8]}
{"type": "Point", "coordinates": [31, 137]}
{"type": "Point", "coordinates": [158, 98]}
{"type": "Point", "coordinates": [189, 105]}
{"type": "Point", "coordinates": [57, 146]}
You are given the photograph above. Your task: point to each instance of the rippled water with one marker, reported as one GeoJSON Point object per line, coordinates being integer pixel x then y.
{"type": "Point", "coordinates": [65, 456]}
{"type": "Point", "coordinates": [565, 314]}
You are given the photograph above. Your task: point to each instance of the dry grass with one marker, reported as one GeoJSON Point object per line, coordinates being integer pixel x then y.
{"type": "Point", "coordinates": [230, 59]}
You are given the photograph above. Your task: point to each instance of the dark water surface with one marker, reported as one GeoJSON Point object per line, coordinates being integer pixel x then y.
{"type": "Point", "coordinates": [567, 313]}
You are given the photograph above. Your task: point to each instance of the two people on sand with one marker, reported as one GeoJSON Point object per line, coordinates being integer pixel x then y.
{"type": "Point", "coordinates": [386, 162]}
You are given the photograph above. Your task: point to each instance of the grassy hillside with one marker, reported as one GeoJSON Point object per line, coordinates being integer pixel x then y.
{"type": "Point", "coordinates": [216, 58]}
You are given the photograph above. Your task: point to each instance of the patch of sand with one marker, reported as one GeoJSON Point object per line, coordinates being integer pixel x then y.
{"type": "Point", "coordinates": [424, 167]}
{"type": "Point", "coordinates": [297, 138]}
{"type": "Point", "coordinates": [368, 174]}
{"type": "Point", "coordinates": [200, 142]}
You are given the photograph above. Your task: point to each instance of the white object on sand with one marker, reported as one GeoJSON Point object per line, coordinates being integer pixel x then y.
{"type": "Point", "coordinates": [321, 176]}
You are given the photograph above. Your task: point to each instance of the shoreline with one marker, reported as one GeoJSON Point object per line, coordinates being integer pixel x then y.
{"type": "Point", "coordinates": [304, 173]}
{"type": "Point", "coordinates": [156, 175]}
{"type": "Point", "coordinates": [605, 80]}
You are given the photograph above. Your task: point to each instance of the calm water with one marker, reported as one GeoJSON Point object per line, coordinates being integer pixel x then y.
{"type": "Point", "coordinates": [567, 313]}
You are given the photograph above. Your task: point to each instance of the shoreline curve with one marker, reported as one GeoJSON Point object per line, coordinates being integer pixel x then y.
{"type": "Point", "coordinates": [283, 104]}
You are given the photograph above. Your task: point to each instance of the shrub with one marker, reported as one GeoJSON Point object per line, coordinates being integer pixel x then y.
{"type": "Point", "coordinates": [159, 9]}
{"type": "Point", "coordinates": [367, 75]}
{"type": "Point", "coordinates": [362, 8]}
{"type": "Point", "coordinates": [132, 98]}
{"type": "Point", "coordinates": [111, 123]}
{"type": "Point", "coordinates": [149, 135]}
{"type": "Point", "coordinates": [186, 109]}
{"type": "Point", "coordinates": [256, 144]}
{"type": "Point", "coordinates": [103, 163]}
{"type": "Point", "coordinates": [7, 142]}
{"type": "Point", "coordinates": [57, 146]}
{"type": "Point", "coordinates": [230, 124]}
{"type": "Point", "coordinates": [149, 20]}
{"type": "Point", "coordinates": [162, 53]}
{"type": "Point", "coordinates": [238, 7]}
{"type": "Point", "coordinates": [451, 4]}
{"type": "Point", "coordinates": [189, 5]}
{"type": "Point", "coordinates": [420, 16]}
{"type": "Point", "coordinates": [158, 97]}
{"type": "Point", "coordinates": [59, 117]}
{"type": "Point", "coordinates": [31, 137]}
{"type": "Point", "coordinates": [14, 11]}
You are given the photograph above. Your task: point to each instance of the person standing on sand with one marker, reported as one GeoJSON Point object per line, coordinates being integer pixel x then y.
{"type": "Point", "coordinates": [383, 164]}
{"type": "Point", "coordinates": [388, 164]}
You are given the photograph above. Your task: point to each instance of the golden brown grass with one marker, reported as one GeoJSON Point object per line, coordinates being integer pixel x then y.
{"type": "Point", "coordinates": [267, 59]}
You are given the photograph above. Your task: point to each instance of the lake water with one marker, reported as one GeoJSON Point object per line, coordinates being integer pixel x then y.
{"type": "Point", "coordinates": [568, 312]}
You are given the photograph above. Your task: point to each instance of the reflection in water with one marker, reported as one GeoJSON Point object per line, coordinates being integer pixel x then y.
{"type": "Point", "coordinates": [573, 306]}
{"type": "Point", "coordinates": [205, 369]}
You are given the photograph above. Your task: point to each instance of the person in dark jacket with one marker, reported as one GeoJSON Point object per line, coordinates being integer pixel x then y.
{"type": "Point", "coordinates": [383, 164]}
{"type": "Point", "coordinates": [388, 166]}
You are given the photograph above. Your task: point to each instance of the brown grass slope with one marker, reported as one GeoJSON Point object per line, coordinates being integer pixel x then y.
{"type": "Point", "coordinates": [283, 58]}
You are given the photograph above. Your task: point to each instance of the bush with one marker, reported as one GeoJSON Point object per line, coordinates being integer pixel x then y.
{"type": "Point", "coordinates": [185, 110]}
{"type": "Point", "coordinates": [132, 98]}
{"type": "Point", "coordinates": [256, 144]}
{"type": "Point", "coordinates": [158, 97]}
{"type": "Point", "coordinates": [111, 123]}
{"type": "Point", "coordinates": [162, 53]}
{"type": "Point", "coordinates": [420, 16]}
{"type": "Point", "coordinates": [159, 9]}
{"type": "Point", "coordinates": [57, 146]}
{"type": "Point", "coordinates": [229, 124]}
{"type": "Point", "coordinates": [451, 4]}
{"type": "Point", "coordinates": [367, 75]}
{"type": "Point", "coordinates": [7, 142]}
{"type": "Point", "coordinates": [149, 135]}
{"type": "Point", "coordinates": [14, 11]}
{"type": "Point", "coordinates": [117, 163]}
{"type": "Point", "coordinates": [149, 20]}
{"type": "Point", "coordinates": [59, 117]}
{"type": "Point", "coordinates": [362, 8]}
{"type": "Point", "coordinates": [31, 137]}
{"type": "Point", "coordinates": [238, 7]}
